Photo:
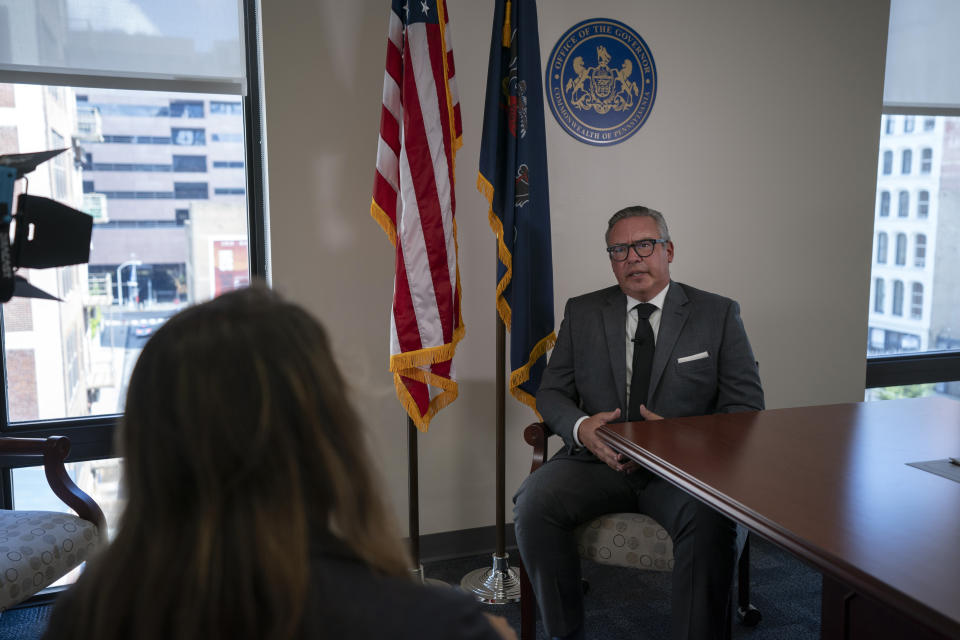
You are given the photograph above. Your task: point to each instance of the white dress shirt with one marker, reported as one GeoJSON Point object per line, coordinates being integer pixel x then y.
{"type": "Point", "coordinates": [631, 330]}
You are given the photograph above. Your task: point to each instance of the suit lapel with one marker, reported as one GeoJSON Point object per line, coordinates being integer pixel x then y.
{"type": "Point", "coordinates": [673, 317]}
{"type": "Point", "coordinates": [614, 314]}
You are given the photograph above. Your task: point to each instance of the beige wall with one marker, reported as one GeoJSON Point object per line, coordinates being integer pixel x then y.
{"type": "Point", "coordinates": [761, 151]}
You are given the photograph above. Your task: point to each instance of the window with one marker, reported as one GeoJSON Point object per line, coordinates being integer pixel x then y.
{"type": "Point", "coordinates": [65, 364]}
{"type": "Point", "coordinates": [882, 248]}
{"type": "Point", "coordinates": [888, 125]}
{"type": "Point", "coordinates": [227, 108]}
{"type": "Point", "coordinates": [131, 110]}
{"type": "Point", "coordinates": [916, 301]}
{"type": "Point", "coordinates": [901, 258]}
{"type": "Point", "coordinates": [897, 297]}
{"type": "Point", "coordinates": [908, 122]}
{"type": "Point", "coordinates": [190, 163]}
{"type": "Point", "coordinates": [920, 250]}
{"type": "Point", "coordinates": [921, 74]}
{"type": "Point", "coordinates": [923, 204]}
{"type": "Point", "coordinates": [188, 137]}
{"type": "Point", "coordinates": [878, 291]}
{"type": "Point", "coordinates": [191, 190]}
{"type": "Point", "coordinates": [887, 162]}
{"type": "Point", "coordinates": [58, 166]}
{"type": "Point", "coordinates": [186, 109]}
{"type": "Point", "coordinates": [228, 137]}
{"type": "Point", "coordinates": [98, 478]}
{"type": "Point", "coordinates": [907, 159]}
{"type": "Point", "coordinates": [121, 139]}
{"type": "Point", "coordinates": [911, 247]}
{"type": "Point", "coordinates": [124, 166]}
{"type": "Point", "coordinates": [884, 204]}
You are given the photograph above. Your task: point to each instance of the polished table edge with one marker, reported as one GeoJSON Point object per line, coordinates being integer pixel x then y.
{"type": "Point", "coordinates": [828, 563]}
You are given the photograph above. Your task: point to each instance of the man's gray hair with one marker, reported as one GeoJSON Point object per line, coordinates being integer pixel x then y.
{"type": "Point", "coordinates": [639, 211]}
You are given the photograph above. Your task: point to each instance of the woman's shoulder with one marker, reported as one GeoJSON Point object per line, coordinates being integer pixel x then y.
{"type": "Point", "coordinates": [347, 599]}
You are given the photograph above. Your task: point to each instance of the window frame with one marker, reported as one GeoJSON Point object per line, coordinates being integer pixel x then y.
{"type": "Point", "coordinates": [92, 437]}
{"type": "Point", "coordinates": [918, 367]}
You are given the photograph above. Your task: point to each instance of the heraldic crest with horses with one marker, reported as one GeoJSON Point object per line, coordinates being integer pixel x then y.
{"type": "Point", "coordinates": [602, 88]}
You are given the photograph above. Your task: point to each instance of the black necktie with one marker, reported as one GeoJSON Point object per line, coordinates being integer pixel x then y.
{"type": "Point", "coordinates": [642, 360]}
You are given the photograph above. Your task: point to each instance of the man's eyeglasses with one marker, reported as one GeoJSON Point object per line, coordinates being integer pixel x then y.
{"type": "Point", "coordinates": [643, 249]}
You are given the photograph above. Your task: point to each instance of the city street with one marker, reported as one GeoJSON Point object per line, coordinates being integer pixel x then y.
{"type": "Point", "coordinates": [125, 331]}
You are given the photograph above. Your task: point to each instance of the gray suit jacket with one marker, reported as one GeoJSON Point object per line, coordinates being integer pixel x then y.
{"type": "Point", "coordinates": [587, 371]}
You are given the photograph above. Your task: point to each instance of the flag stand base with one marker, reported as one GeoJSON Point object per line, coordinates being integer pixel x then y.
{"type": "Point", "coordinates": [419, 578]}
{"type": "Point", "coordinates": [499, 584]}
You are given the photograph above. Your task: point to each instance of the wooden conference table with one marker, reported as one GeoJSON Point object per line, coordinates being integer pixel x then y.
{"type": "Point", "coordinates": [830, 484]}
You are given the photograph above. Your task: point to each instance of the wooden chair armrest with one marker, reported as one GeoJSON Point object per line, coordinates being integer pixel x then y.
{"type": "Point", "coordinates": [54, 450]}
{"type": "Point", "coordinates": [536, 436]}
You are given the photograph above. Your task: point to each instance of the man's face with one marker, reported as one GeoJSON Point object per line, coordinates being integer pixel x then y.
{"type": "Point", "coordinates": [641, 278]}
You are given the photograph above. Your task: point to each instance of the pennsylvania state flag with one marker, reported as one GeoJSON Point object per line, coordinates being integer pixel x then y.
{"type": "Point", "coordinates": [513, 177]}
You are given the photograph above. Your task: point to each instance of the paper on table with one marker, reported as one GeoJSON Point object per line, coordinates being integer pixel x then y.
{"type": "Point", "coordinates": [943, 468]}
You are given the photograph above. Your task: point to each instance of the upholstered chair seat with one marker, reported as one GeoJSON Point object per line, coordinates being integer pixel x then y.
{"type": "Point", "coordinates": [37, 548]}
{"type": "Point", "coordinates": [626, 540]}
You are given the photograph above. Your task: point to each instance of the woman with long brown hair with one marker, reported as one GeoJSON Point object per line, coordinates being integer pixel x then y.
{"type": "Point", "coordinates": [251, 510]}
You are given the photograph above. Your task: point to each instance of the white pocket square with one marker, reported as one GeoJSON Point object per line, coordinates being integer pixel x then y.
{"type": "Point", "coordinates": [696, 356]}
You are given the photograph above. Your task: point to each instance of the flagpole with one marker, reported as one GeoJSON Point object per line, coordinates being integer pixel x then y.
{"type": "Point", "coordinates": [413, 513]}
{"type": "Point", "coordinates": [413, 493]}
{"type": "Point", "coordinates": [501, 391]}
{"type": "Point", "coordinates": [499, 584]}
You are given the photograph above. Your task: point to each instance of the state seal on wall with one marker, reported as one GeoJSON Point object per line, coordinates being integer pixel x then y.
{"type": "Point", "coordinates": [601, 81]}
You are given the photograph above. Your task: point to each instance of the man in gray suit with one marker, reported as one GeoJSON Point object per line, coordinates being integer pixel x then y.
{"type": "Point", "coordinates": [644, 349]}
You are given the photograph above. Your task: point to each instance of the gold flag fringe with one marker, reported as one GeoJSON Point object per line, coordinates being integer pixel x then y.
{"type": "Point", "coordinates": [507, 35]}
{"type": "Point", "coordinates": [521, 375]}
{"type": "Point", "coordinates": [384, 221]}
{"type": "Point", "coordinates": [455, 141]}
{"type": "Point", "coordinates": [410, 406]}
{"type": "Point", "coordinates": [503, 307]}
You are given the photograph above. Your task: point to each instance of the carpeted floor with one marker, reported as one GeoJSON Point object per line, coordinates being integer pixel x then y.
{"type": "Point", "coordinates": [621, 603]}
{"type": "Point", "coordinates": [26, 623]}
{"type": "Point", "coordinates": [635, 605]}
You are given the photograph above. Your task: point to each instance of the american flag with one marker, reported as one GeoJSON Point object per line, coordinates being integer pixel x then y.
{"type": "Point", "coordinates": [413, 200]}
